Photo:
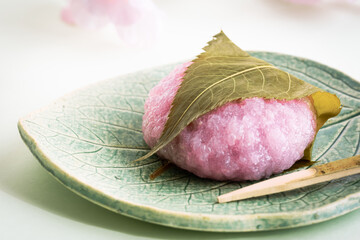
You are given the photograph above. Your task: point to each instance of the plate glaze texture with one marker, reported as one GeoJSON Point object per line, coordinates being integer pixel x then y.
{"type": "Point", "coordinates": [89, 139]}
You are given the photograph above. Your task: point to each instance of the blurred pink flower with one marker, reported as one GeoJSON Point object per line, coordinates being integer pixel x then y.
{"type": "Point", "coordinates": [317, 1]}
{"type": "Point", "coordinates": [136, 21]}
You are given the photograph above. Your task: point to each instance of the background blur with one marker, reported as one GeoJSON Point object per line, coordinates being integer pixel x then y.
{"type": "Point", "coordinates": [43, 58]}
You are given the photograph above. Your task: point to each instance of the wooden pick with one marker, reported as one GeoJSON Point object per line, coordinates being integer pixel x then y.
{"type": "Point", "coordinates": [322, 173]}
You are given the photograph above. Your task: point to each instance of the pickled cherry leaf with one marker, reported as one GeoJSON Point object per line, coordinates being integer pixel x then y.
{"type": "Point", "coordinates": [224, 73]}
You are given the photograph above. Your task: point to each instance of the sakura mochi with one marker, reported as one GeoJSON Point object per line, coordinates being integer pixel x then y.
{"type": "Point", "coordinates": [245, 139]}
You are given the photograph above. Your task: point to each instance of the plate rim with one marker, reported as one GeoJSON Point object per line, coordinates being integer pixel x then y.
{"type": "Point", "coordinates": [172, 218]}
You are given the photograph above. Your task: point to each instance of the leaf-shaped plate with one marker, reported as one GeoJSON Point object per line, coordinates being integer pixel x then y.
{"type": "Point", "coordinates": [89, 139]}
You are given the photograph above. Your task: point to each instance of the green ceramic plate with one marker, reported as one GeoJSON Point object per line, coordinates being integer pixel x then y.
{"type": "Point", "coordinates": [88, 139]}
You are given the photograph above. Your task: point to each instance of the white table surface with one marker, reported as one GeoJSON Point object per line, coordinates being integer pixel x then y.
{"type": "Point", "coordinates": [41, 58]}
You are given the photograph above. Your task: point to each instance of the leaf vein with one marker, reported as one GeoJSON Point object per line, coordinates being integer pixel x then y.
{"type": "Point", "coordinates": [90, 142]}
{"type": "Point", "coordinates": [335, 140]}
{"type": "Point", "coordinates": [214, 84]}
{"type": "Point", "coordinates": [320, 82]}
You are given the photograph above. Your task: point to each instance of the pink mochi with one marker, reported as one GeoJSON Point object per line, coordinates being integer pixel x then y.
{"type": "Point", "coordinates": [242, 140]}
